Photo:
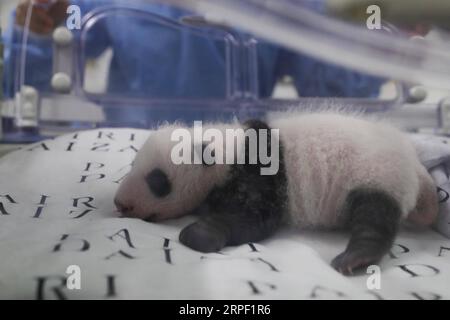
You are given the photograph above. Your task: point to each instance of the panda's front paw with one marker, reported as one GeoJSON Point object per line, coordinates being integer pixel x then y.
{"type": "Point", "coordinates": [203, 237]}
{"type": "Point", "coordinates": [351, 261]}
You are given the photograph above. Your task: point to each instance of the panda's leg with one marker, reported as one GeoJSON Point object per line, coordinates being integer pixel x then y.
{"type": "Point", "coordinates": [373, 219]}
{"type": "Point", "coordinates": [234, 226]}
{"type": "Point", "coordinates": [245, 210]}
{"type": "Point", "coordinates": [208, 234]}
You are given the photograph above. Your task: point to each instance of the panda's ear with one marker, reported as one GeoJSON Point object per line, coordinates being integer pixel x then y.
{"type": "Point", "coordinates": [205, 152]}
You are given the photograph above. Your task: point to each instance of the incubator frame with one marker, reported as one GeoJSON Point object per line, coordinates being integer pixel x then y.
{"type": "Point", "coordinates": [285, 23]}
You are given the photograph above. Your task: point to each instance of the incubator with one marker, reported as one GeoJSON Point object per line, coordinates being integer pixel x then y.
{"type": "Point", "coordinates": [140, 63]}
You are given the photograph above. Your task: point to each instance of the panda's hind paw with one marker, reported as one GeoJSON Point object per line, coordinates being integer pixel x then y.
{"type": "Point", "coordinates": [350, 262]}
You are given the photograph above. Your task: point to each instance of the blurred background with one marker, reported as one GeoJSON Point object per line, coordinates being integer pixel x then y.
{"type": "Point", "coordinates": [6, 6]}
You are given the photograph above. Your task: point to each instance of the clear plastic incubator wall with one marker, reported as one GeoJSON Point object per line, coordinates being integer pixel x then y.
{"type": "Point", "coordinates": [140, 63]}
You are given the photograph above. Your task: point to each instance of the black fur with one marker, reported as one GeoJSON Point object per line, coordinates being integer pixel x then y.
{"type": "Point", "coordinates": [373, 220]}
{"type": "Point", "coordinates": [249, 207]}
{"type": "Point", "coordinates": [158, 183]}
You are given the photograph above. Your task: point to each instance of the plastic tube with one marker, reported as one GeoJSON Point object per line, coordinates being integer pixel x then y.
{"type": "Point", "coordinates": [288, 23]}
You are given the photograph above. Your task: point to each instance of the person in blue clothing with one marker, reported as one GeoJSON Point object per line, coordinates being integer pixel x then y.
{"type": "Point", "coordinates": [152, 60]}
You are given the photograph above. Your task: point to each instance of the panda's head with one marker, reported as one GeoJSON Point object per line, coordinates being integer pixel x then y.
{"type": "Point", "coordinates": [156, 188]}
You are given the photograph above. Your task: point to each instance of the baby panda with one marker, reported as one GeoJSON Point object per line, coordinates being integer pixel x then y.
{"type": "Point", "coordinates": [335, 170]}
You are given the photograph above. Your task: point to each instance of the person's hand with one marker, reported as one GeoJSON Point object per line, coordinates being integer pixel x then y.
{"type": "Point", "coordinates": [420, 29]}
{"type": "Point", "coordinates": [45, 17]}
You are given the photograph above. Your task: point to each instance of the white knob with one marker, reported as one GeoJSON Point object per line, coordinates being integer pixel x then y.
{"type": "Point", "coordinates": [62, 36]}
{"type": "Point", "coordinates": [61, 82]}
{"type": "Point", "coordinates": [417, 93]}
{"type": "Point", "coordinates": [29, 93]}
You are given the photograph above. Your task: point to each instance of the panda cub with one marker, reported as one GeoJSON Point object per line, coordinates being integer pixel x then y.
{"type": "Point", "coordinates": [335, 170]}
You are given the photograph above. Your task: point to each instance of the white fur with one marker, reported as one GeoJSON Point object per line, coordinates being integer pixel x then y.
{"type": "Point", "coordinates": [329, 154]}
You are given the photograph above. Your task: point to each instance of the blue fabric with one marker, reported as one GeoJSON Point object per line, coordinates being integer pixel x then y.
{"type": "Point", "coordinates": [152, 60]}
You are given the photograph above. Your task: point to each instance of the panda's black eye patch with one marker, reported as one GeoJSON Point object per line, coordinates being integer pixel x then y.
{"type": "Point", "coordinates": [158, 183]}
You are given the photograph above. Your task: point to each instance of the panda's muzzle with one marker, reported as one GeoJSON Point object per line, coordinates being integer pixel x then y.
{"type": "Point", "coordinates": [153, 217]}
{"type": "Point", "coordinates": [125, 209]}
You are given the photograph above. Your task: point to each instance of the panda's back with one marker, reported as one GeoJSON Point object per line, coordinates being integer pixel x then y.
{"type": "Point", "coordinates": [327, 155]}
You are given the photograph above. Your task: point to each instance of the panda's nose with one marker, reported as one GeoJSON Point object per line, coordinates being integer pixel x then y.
{"type": "Point", "coordinates": [123, 208]}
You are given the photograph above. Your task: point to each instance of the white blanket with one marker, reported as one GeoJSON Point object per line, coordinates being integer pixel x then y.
{"type": "Point", "coordinates": [434, 154]}
{"type": "Point", "coordinates": [57, 211]}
